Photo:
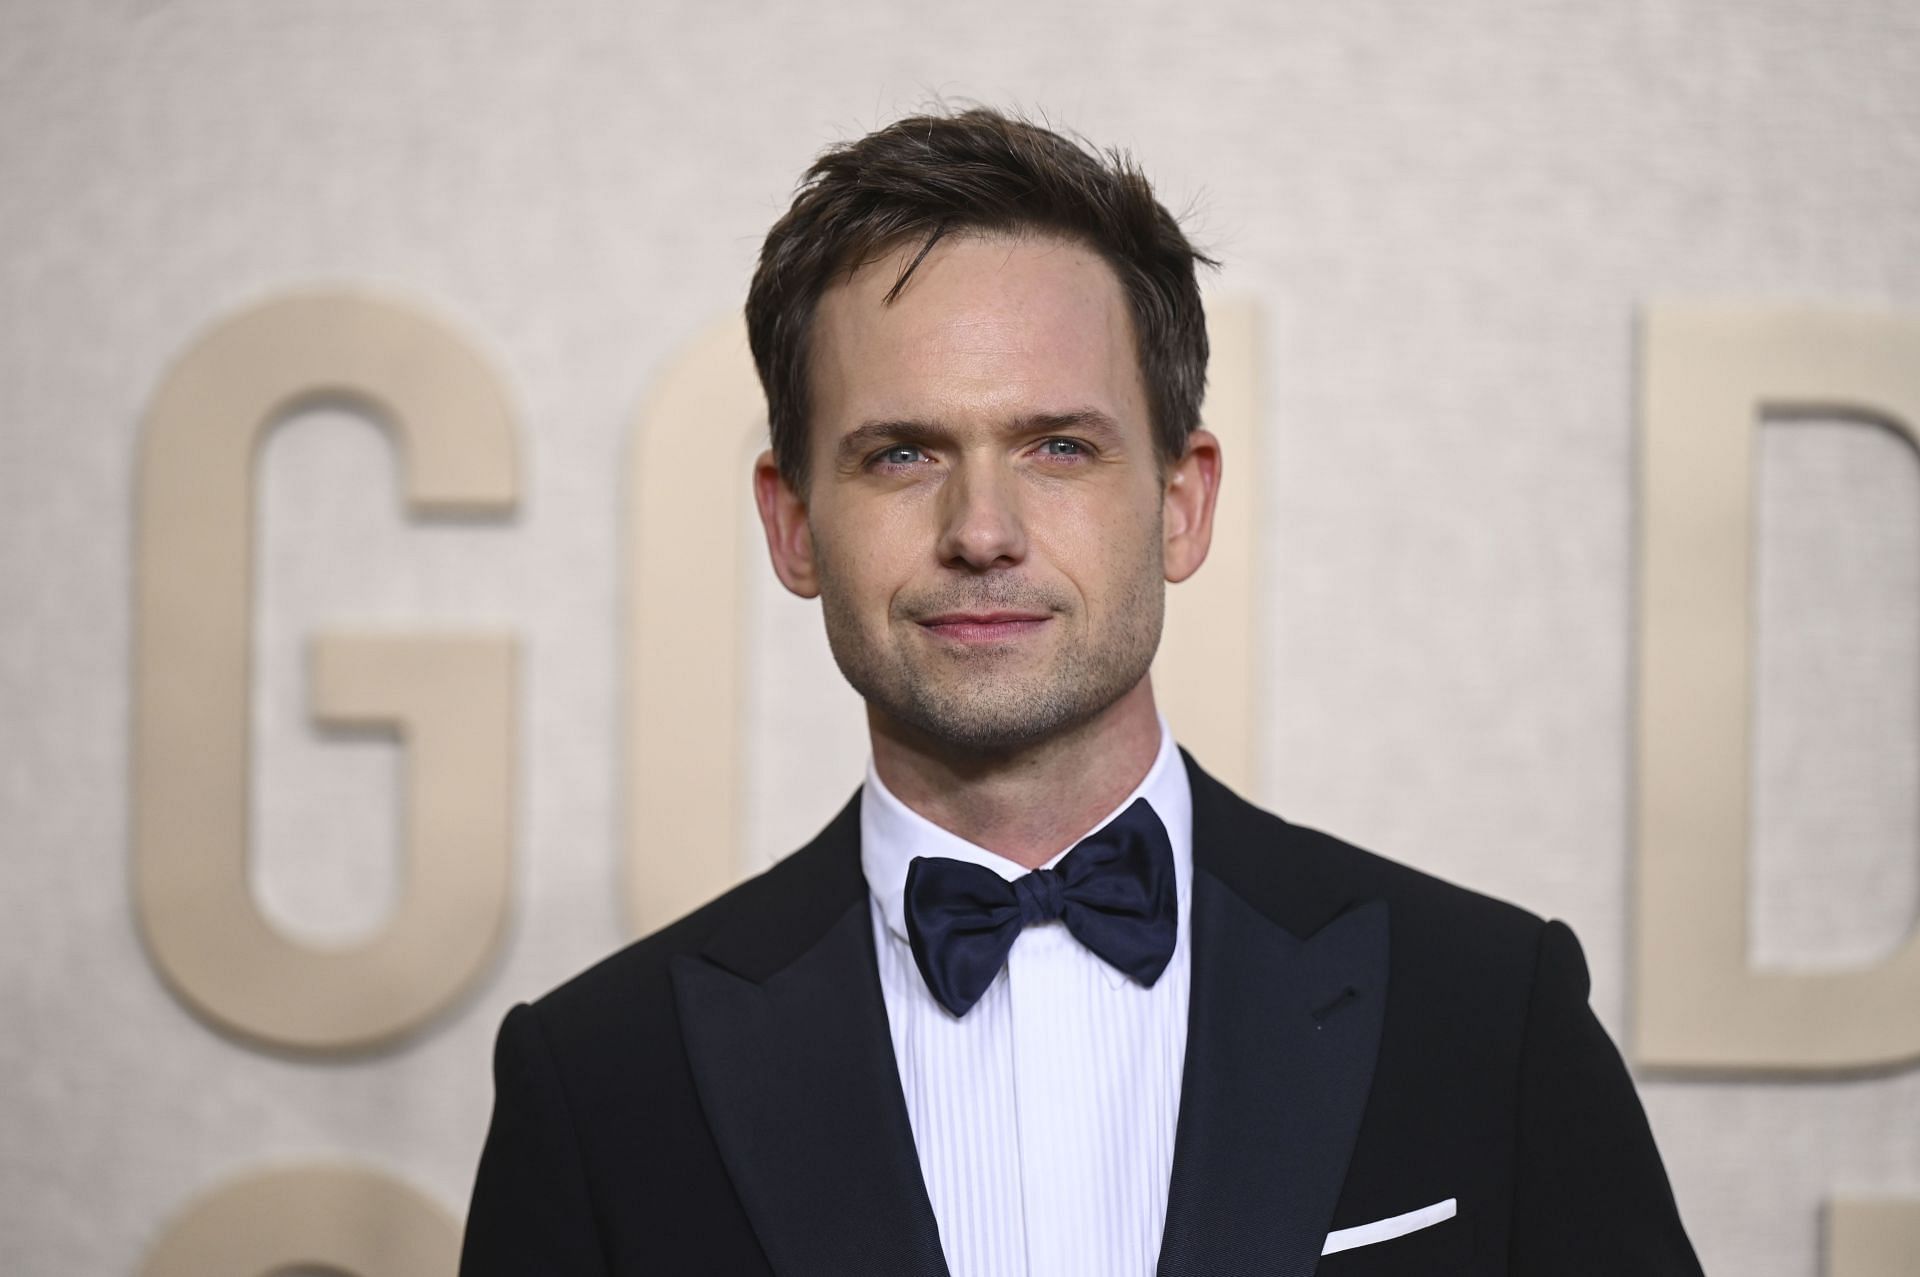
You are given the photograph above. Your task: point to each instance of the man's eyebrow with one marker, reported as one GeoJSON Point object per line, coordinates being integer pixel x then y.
{"type": "Point", "coordinates": [856, 443]}
{"type": "Point", "coordinates": [1083, 420]}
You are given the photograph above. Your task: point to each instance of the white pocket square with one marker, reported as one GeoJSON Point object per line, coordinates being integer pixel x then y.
{"type": "Point", "coordinates": [1382, 1230]}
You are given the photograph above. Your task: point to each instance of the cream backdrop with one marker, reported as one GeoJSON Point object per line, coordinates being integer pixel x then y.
{"type": "Point", "coordinates": [1449, 223]}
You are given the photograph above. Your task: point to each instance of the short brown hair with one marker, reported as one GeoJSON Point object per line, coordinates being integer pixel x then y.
{"type": "Point", "coordinates": [978, 170]}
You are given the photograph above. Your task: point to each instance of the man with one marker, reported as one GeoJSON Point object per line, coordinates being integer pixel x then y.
{"type": "Point", "coordinates": [1044, 998]}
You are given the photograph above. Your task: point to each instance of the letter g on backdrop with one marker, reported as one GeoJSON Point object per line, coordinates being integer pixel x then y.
{"type": "Point", "coordinates": [449, 697]}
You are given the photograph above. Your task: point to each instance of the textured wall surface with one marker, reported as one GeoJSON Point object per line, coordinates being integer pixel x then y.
{"type": "Point", "coordinates": [1449, 216]}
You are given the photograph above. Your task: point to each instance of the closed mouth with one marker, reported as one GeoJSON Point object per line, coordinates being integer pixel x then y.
{"type": "Point", "coordinates": [976, 627]}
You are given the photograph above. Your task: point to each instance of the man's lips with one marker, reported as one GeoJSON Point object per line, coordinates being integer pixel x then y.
{"type": "Point", "coordinates": [983, 627]}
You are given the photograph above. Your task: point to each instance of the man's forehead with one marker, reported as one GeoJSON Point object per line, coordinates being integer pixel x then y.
{"type": "Point", "coordinates": [1022, 309]}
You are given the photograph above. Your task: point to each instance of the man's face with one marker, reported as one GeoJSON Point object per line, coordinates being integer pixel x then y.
{"type": "Point", "coordinates": [983, 521]}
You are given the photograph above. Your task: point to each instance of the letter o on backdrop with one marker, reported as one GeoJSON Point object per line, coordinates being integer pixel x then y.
{"type": "Point", "coordinates": [345, 1219]}
{"type": "Point", "coordinates": [684, 772]}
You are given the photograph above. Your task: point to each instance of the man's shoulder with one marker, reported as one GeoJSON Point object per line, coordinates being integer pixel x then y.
{"type": "Point", "coordinates": [753, 927]}
{"type": "Point", "coordinates": [1425, 909]}
{"type": "Point", "coordinates": [1303, 878]}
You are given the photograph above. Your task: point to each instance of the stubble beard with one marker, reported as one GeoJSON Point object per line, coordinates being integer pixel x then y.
{"type": "Point", "coordinates": [990, 701]}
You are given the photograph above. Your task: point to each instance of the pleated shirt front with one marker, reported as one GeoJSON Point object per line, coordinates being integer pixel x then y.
{"type": "Point", "coordinates": [1044, 1118]}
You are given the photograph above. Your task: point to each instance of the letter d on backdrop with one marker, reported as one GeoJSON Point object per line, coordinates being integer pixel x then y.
{"type": "Point", "coordinates": [1709, 373]}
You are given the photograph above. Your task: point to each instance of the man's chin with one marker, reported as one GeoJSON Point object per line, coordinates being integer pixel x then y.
{"type": "Point", "coordinates": [1014, 715]}
{"type": "Point", "coordinates": [984, 737]}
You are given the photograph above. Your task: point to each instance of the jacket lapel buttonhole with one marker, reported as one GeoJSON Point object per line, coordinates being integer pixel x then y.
{"type": "Point", "coordinates": [1338, 1003]}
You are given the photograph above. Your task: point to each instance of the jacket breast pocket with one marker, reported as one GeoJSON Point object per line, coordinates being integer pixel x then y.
{"type": "Point", "coordinates": [1439, 1250]}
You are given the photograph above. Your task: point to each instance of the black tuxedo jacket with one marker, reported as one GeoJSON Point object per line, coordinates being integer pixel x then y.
{"type": "Point", "coordinates": [1363, 1041]}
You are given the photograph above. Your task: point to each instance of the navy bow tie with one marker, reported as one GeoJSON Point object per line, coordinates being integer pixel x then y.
{"type": "Point", "coordinates": [1114, 890]}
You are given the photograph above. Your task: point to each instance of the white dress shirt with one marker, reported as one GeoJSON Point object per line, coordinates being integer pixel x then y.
{"type": "Point", "coordinates": [1045, 1117]}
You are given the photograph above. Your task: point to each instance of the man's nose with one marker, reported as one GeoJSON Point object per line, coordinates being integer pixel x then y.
{"type": "Point", "coordinates": [980, 519]}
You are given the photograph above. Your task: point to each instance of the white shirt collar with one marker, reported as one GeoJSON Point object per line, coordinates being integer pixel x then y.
{"type": "Point", "coordinates": [892, 834]}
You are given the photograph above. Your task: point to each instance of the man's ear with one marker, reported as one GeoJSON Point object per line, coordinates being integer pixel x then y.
{"type": "Point", "coordinates": [783, 514]}
{"type": "Point", "coordinates": [1193, 482]}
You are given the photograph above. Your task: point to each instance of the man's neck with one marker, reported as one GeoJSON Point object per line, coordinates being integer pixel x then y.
{"type": "Point", "coordinates": [1025, 804]}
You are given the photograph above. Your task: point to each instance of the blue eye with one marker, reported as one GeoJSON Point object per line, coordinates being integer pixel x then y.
{"type": "Point", "coordinates": [904, 454]}
{"type": "Point", "coordinates": [1062, 448]}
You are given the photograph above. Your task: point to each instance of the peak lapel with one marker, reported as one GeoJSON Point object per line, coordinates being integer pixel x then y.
{"type": "Point", "coordinates": [795, 1071]}
{"type": "Point", "coordinates": [1281, 1041]}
